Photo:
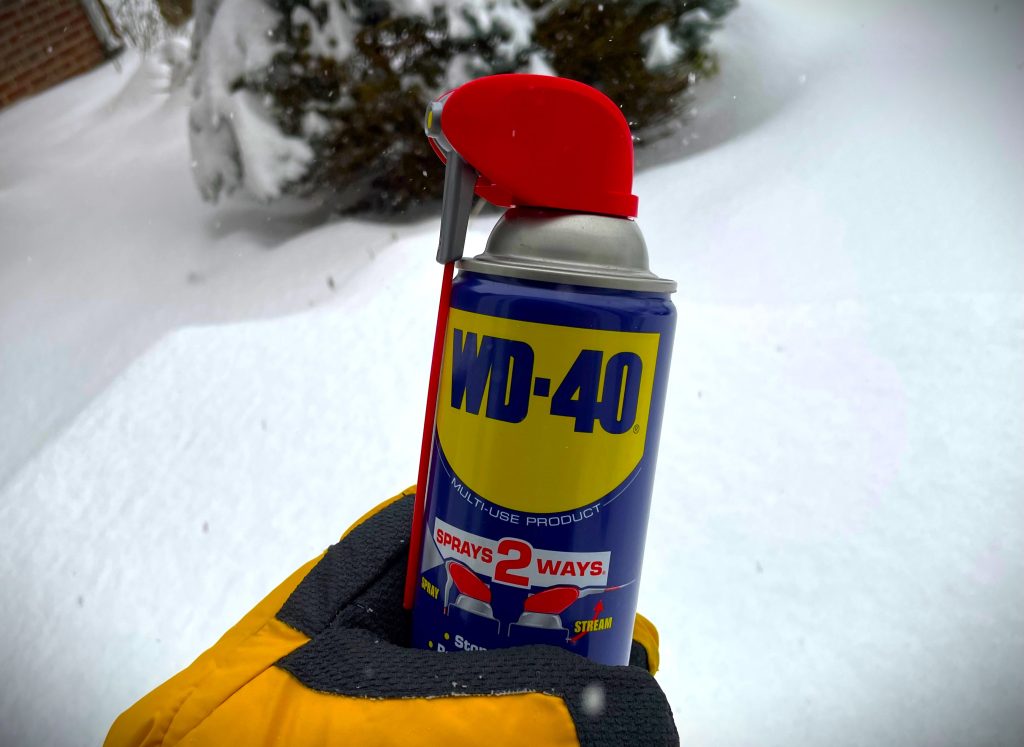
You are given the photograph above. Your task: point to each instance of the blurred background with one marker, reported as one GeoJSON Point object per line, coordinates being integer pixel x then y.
{"type": "Point", "coordinates": [217, 227]}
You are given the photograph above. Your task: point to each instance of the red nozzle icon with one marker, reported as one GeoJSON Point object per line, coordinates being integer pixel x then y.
{"type": "Point", "coordinates": [539, 141]}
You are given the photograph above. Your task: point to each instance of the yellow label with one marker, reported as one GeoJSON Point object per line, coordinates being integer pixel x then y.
{"type": "Point", "coordinates": [542, 418]}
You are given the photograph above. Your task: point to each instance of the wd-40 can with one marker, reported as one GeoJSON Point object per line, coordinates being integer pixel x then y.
{"type": "Point", "coordinates": [549, 375]}
{"type": "Point", "coordinates": [552, 388]}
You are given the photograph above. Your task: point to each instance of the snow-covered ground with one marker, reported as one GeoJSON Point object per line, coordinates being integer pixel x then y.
{"type": "Point", "coordinates": [195, 399]}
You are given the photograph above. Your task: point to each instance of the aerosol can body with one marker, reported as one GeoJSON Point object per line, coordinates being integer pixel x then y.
{"type": "Point", "coordinates": [550, 392]}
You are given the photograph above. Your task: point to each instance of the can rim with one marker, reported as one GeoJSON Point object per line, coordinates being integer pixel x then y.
{"type": "Point", "coordinates": [556, 246]}
{"type": "Point", "coordinates": [567, 274]}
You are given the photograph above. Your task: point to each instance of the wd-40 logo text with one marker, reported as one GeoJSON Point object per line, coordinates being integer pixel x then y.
{"type": "Point", "coordinates": [539, 417]}
{"type": "Point", "coordinates": [504, 368]}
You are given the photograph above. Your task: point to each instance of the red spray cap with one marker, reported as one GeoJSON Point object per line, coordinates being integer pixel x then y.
{"type": "Point", "coordinates": [541, 141]}
{"type": "Point", "coordinates": [529, 141]}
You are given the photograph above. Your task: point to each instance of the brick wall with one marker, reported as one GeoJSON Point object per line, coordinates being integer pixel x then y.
{"type": "Point", "coordinates": [43, 42]}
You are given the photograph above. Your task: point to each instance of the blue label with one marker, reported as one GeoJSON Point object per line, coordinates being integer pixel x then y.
{"type": "Point", "coordinates": [549, 413]}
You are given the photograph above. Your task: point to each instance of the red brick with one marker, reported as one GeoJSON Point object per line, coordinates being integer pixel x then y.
{"type": "Point", "coordinates": [90, 43]}
{"type": "Point", "coordinates": [38, 49]}
{"type": "Point", "coordinates": [74, 51]}
{"type": "Point", "coordinates": [48, 27]}
{"type": "Point", "coordinates": [31, 39]}
{"type": "Point", "coordinates": [76, 35]}
{"type": "Point", "coordinates": [13, 40]}
{"type": "Point", "coordinates": [36, 32]}
{"type": "Point", "coordinates": [80, 39]}
{"type": "Point", "coordinates": [25, 23]}
{"type": "Point", "coordinates": [66, 18]}
{"type": "Point", "coordinates": [66, 41]}
{"type": "Point", "coordinates": [82, 54]}
{"type": "Point", "coordinates": [29, 66]}
{"type": "Point", "coordinates": [9, 72]}
{"type": "Point", "coordinates": [36, 77]}
{"type": "Point", "coordinates": [39, 31]}
{"type": "Point", "coordinates": [26, 61]}
{"type": "Point", "coordinates": [87, 63]}
{"type": "Point", "coordinates": [27, 29]}
{"type": "Point", "coordinates": [16, 71]}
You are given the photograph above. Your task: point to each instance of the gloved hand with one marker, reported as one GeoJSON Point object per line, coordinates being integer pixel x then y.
{"type": "Point", "coordinates": [324, 660]}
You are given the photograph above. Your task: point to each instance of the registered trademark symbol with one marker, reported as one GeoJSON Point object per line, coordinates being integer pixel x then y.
{"type": "Point", "coordinates": [636, 428]}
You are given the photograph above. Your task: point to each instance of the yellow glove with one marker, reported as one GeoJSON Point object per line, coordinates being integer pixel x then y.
{"type": "Point", "coordinates": [324, 660]}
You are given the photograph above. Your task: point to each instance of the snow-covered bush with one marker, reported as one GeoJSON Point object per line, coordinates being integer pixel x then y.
{"type": "Point", "coordinates": [139, 22]}
{"type": "Point", "coordinates": [175, 12]}
{"type": "Point", "coordinates": [325, 98]}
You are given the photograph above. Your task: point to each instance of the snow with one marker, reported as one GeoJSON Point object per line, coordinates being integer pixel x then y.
{"type": "Point", "coordinates": [468, 18]}
{"type": "Point", "coordinates": [138, 22]}
{"type": "Point", "coordinates": [315, 124]}
{"type": "Point", "coordinates": [661, 50]}
{"type": "Point", "coordinates": [269, 160]}
{"type": "Point", "coordinates": [233, 138]}
{"type": "Point", "coordinates": [334, 38]}
{"type": "Point", "coordinates": [835, 554]}
{"type": "Point", "coordinates": [539, 65]}
{"type": "Point", "coordinates": [511, 18]}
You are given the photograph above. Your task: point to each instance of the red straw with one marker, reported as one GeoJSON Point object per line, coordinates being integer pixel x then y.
{"type": "Point", "coordinates": [419, 508]}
